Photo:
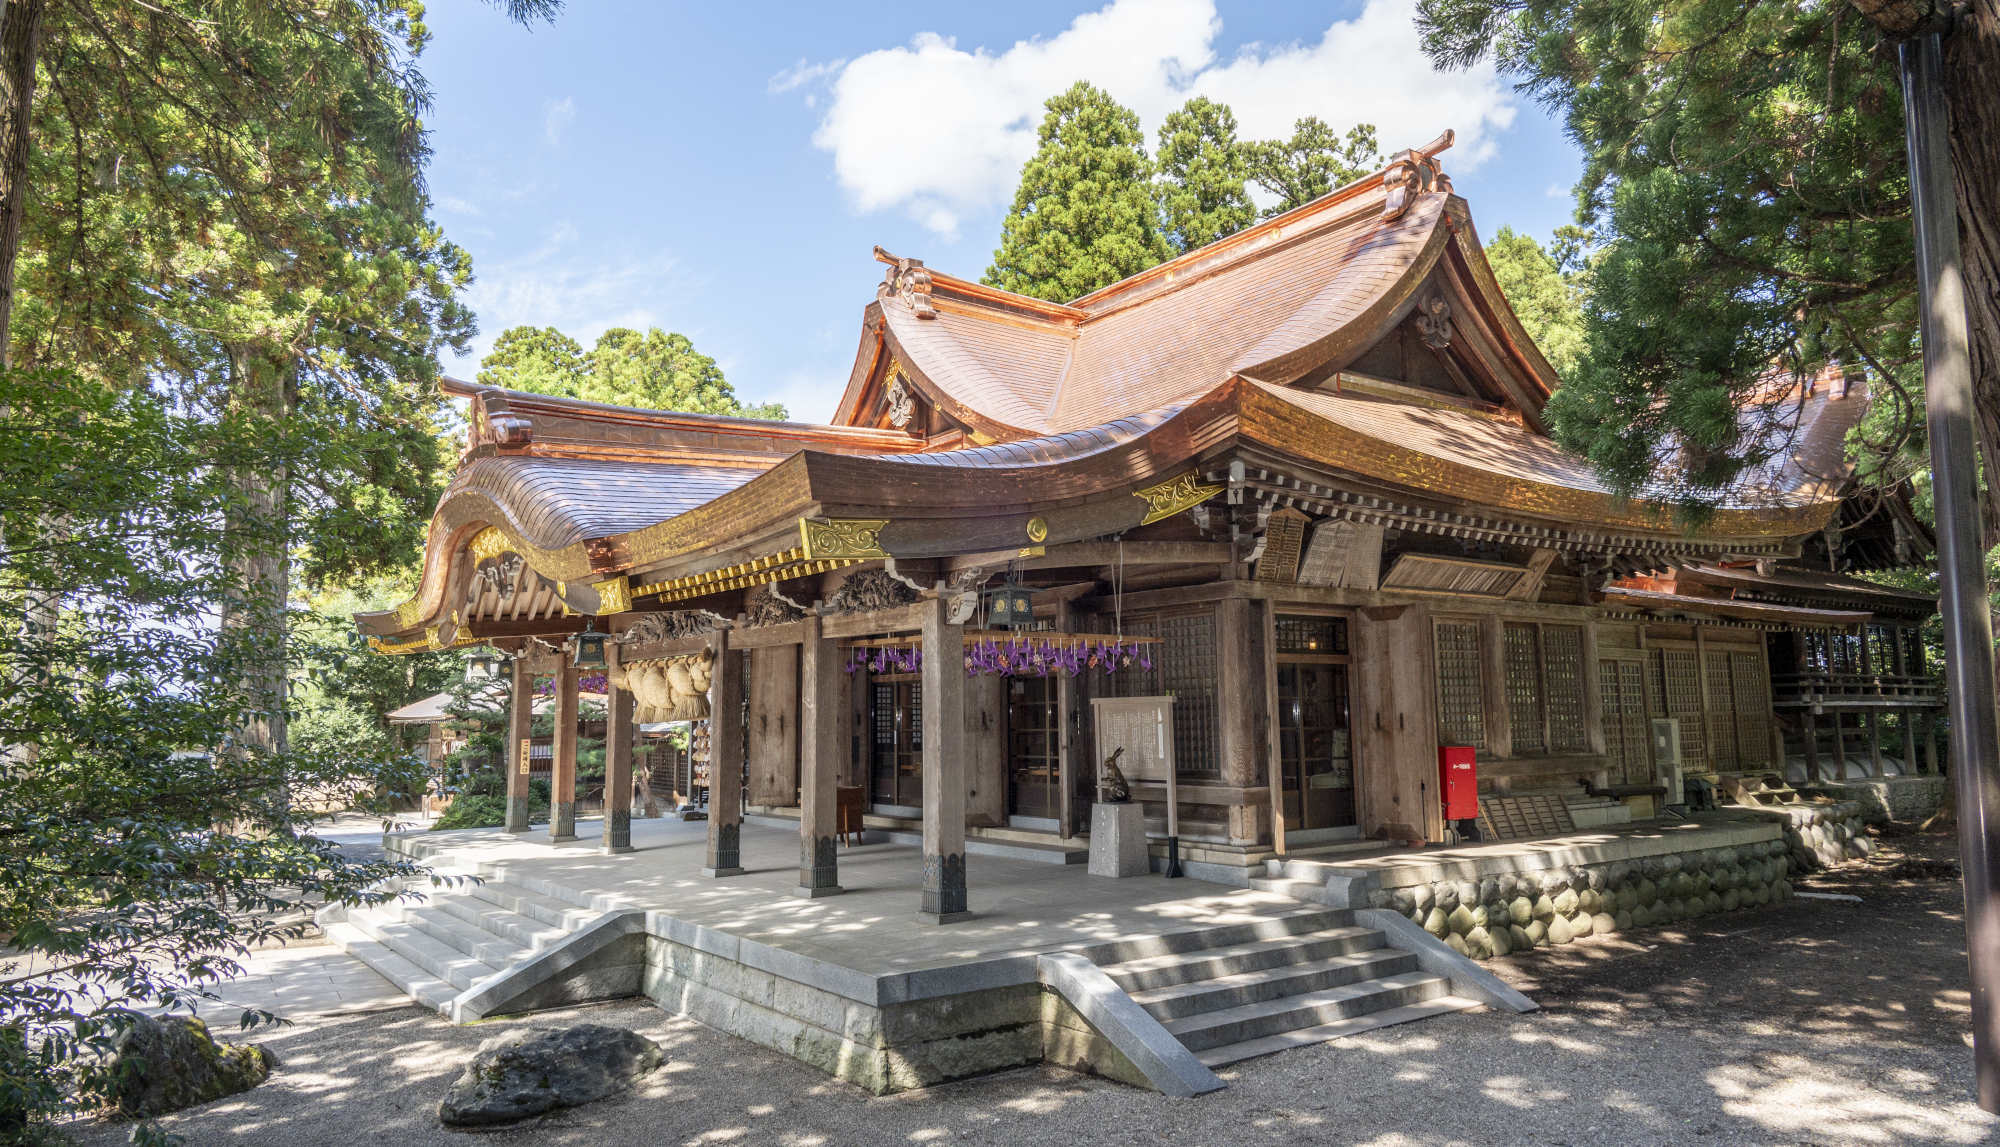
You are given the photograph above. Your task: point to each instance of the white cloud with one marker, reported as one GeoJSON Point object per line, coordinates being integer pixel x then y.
{"type": "Point", "coordinates": [557, 115]}
{"type": "Point", "coordinates": [580, 292]}
{"type": "Point", "coordinates": [458, 206]}
{"type": "Point", "coordinates": [940, 132]}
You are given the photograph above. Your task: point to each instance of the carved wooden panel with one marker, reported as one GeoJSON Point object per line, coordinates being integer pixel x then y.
{"type": "Point", "coordinates": [1562, 668]}
{"type": "Point", "coordinates": [1284, 536]}
{"type": "Point", "coordinates": [1682, 676]}
{"type": "Point", "coordinates": [1513, 818]}
{"type": "Point", "coordinates": [1524, 689]}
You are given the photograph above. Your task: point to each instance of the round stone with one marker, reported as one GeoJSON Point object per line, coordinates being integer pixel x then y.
{"type": "Point", "coordinates": [1560, 931]}
{"type": "Point", "coordinates": [1437, 923]}
{"type": "Point", "coordinates": [1732, 900]}
{"type": "Point", "coordinates": [1580, 925]}
{"type": "Point", "coordinates": [1457, 943]}
{"type": "Point", "coordinates": [1422, 897]}
{"type": "Point", "coordinates": [1538, 933]}
{"type": "Point", "coordinates": [1460, 920]}
{"type": "Point", "coordinates": [1520, 910]}
{"type": "Point", "coordinates": [1501, 939]}
{"type": "Point", "coordinates": [1565, 902]}
{"type": "Point", "coordinates": [1518, 938]}
{"type": "Point", "coordinates": [1624, 919]}
{"type": "Point", "coordinates": [1545, 908]}
{"type": "Point", "coordinates": [1447, 896]}
{"type": "Point", "coordinates": [1479, 943]}
{"type": "Point", "coordinates": [1603, 924]}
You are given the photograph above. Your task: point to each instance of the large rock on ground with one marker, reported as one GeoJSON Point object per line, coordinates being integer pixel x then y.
{"type": "Point", "coordinates": [165, 1064]}
{"type": "Point", "coordinates": [513, 1077]}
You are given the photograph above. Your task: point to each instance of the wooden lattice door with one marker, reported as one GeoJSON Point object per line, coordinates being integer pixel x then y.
{"type": "Point", "coordinates": [1627, 739]}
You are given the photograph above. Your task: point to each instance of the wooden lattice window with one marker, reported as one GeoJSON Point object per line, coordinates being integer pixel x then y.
{"type": "Point", "coordinates": [1461, 713]}
{"type": "Point", "coordinates": [1524, 688]}
{"type": "Point", "coordinates": [1656, 689]}
{"type": "Point", "coordinates": [1308, 636]}
{"type": "Point", "coordinates": [1750, 680]}
{"type": "Point", "coordinates": [1562, 665]}
{"type": "Point", "coordinates": [1185, 659]}
{"type": "Point", "coordinates": [1721, 712]}
{"type": "Point", "coordinates": [1682, 676]}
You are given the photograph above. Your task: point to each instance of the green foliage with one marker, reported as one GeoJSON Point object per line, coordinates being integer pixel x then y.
{"type": "Point", "coordinates": [1315, 160]}
{"type": "Point", "coordinates": [1092, 209]}
{"type": "Point", "coordinates": [1203, 171]}
{"type": "Point", "coordinates": [341, 690]}
{"type": "Point", "coordinates": [1084, 215]}
{"type": "Point", "coordinates": [1744, 169]}
{"type": "Point", "coordinates": [469, 810]}
{"type": "Point", "coordinates": [144, 845]}
{"type": "Point", "coordinates": [542, 360]}
{"type": "Point", "coordinates": [656, 370]}
{"type": "Point", "coordinates": [1548, 302]}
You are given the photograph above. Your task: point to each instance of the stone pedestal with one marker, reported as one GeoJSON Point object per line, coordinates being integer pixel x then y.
{"type": "Point", "coordinates": [1118, 840]}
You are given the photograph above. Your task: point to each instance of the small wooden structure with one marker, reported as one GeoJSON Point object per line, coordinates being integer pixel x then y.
{"type": "Point", "coordinates": [1305, 465]}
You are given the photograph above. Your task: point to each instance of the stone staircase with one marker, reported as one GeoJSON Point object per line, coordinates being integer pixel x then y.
{"type": "Point", "coordinates": [1234, 992]}
{"type": "Point", "coordinates": [457, 936]}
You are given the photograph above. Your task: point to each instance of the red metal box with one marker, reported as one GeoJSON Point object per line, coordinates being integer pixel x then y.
{"type": "Point", "coordinates": [1458, 782]}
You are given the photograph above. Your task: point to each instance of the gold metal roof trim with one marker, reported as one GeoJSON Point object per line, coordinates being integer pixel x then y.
{"type": "Point", "coordinates": [781, 566]}
{"type": "Point", "coordinates": [489, 542]}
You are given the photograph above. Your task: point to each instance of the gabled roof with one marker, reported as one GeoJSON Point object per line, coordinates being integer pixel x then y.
{"type": "Point", "coordinates": [1277, 302]}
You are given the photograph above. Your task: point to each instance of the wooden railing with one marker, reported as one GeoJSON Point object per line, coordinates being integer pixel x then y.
{"type": "Point", "coordinates": [1799, 689]}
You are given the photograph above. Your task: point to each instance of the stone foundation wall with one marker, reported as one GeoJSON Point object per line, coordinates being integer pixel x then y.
{"type": "Point", "coordinates": [1908, 800]}
{"type": "Point", "coordinates": [1510, 912]}
{"type": "Point", "coordinates": [1823, 835]}
{"type": "Point", "coordinates": [893, 1047]}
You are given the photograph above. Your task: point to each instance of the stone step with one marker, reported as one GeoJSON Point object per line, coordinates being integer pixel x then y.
{"type": "Point", "coordinates": [1254, 954]}
{"type": "Point", "coordinates": [419, 984]}
{"type": "Point", "coordinates": [424, 950]}
{"type": "Point", "coordinates": [525, 931]}
{"type": "Point", "coordinates": [1307, 1009]}
{"type": "Point", "coordinates": [492, 950]}
{"type": "Point", "coordinates": [549, 910]}
{"type": "Point", "coordinates": [1178, 1001]}
{"type": "Point", "coordinates": [1300, 1037]}
{"type": "Point", "coordinates": [1300, 888]}
{"type": "Point", "coordinates": [1280, 924]}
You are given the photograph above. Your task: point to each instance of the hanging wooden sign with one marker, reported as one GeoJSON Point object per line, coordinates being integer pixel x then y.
{"type": "Point", "coordinates": [1284, 535]}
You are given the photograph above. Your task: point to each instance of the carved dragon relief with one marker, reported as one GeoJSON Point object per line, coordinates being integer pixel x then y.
{"type": "Point", "coordinates": [766, 606]}
{"type": "Point", "coordinates": [650, 628]}
{"type": "Point", "coordinates": [902, 403]}
{"type": "Point", "coordinates": [1412, 173]}
{"type": "Point", "coordinates": [868, 590]}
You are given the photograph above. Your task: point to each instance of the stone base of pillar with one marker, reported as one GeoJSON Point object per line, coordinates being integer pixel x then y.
{"type": "Point", "coordinates": [943, 890]}
{"type": "Point", "coordinates": [805, 893]}
{"type": "Point", "coordinates": [819, 868]}
{"type": "Point", "coordinates": [562, 821]}
{"type": "Point", "coordinates": [618, 832]}
{"type": "Point", "coordinates": [517, 815]}
{"type": "Point", "coordinates": [942, 917]}
{"type": "Point", "coordinates": [1118, 840]}
{"type": "Point", "coordinates": [714, 872]}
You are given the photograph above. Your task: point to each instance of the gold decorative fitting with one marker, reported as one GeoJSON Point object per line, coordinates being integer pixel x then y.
{"type": "Point", "coordinates": [1038, 530]}
{"type": "Point", "coordinates": [781, 566]}
{"type": "Point", "coordinates": [490, 542]}
{"type": "Point", "coordinates": [614, 595]}
{"type": "Point", "coordinates": [409, 613]}
{"type": "Point", "coordinates": [842, 537]}
{"type": "Point", "coordinates": [1174, 495]}
{"type": "Point", "coordinates": [1033, 551]}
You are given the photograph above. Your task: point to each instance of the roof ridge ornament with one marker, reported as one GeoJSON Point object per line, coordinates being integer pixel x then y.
{"type": "Point", "coordinates": [908, 280]}
{"type": "Point", "coordinates": [1412, 173]}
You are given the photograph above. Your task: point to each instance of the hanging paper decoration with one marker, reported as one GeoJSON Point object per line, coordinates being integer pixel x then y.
{"type": "Point", "coordinates": [1016, 655]}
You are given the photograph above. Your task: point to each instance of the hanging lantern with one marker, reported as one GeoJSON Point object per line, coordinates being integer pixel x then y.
{"type": "Point", "coordinates": [484, 661]}
{"type": "Point", "coordinates": [587, 648]}
{"type": "Point", "coordinates": [1010, 606]}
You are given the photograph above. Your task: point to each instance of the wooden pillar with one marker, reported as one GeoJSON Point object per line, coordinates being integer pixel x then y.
{"type": "Point", "coordinates": [1066, 747]}
{"type": "Point", "coordinates": [1264, 654]}
{"type": "Point", "coordinates": [619, 731]}
{"type": "Point", "coordinates": [520, 732]}
{"type": "Point", "coordinates": [1243, 735]}
{"type": "Point", "coordinates": [772, 747]}
{"type": "Point", "coordinates": [562, 771]}
{"type": "Point", "coordinates": [725, 761]}
{"type": "Point", "coordinates": [1839, 745]}
{"type": "Point", "coordinates": [1593, 696]}
{"type": "Point", "coordinates": [1493, 692]}
{"type": "Point", "coordinates": [944, 897]}
{"type": "Point", "coordinates": [1812, 744]}
{"type": "Point", "coordinates": [1931, 743]}
{"type": "Point", "coordinates": [1875, 741]}
{"type": "Point", "coordinates": [822, 730]}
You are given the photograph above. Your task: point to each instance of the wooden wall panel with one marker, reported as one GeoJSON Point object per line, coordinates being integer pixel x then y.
{"type": "Point", "coordinates": [773, 743]}
{"type": "Point", "coordinates": [1394, 724]}
{"type": "Point", "coordinates": [986, 750]}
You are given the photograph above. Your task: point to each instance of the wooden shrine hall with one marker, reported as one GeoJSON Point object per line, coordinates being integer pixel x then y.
{"type": "Point", "coordinates": [1299, 481]}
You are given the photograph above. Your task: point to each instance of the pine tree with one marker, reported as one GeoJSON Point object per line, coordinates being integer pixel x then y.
{"type": "Point", "coordinates": [541, 360]}
{"type": "Point", "coordinates": [1084, 215]}
{"type": "Point", "coordinates": [1745, 170]}
{"type": "Point", "coordinates": [1203, 173]}
{"type": "Point", "coordinates": [1315, 160]}
{"type": "Point", "coordinates": [1548, 302]}
{"type": "Point", "coordinates": [653, 370]}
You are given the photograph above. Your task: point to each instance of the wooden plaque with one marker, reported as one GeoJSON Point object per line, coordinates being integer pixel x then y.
{"type": "Point", "coordinates": [1144, 728]}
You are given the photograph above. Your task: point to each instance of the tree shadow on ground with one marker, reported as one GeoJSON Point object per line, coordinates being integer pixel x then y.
{"type": "Point", "coordinates": [1817, 1022]}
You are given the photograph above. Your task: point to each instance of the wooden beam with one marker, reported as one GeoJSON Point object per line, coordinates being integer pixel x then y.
{"type": "Point", "coordinates": [899, 619]}
{"type": "Point", "coordinates": [1101, 554]}
{"type": "Point", "coordinates": [767, 636]}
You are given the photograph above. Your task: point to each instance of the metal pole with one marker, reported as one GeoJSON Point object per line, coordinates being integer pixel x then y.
{"type": "Point", "coordinates": [1968, 632]}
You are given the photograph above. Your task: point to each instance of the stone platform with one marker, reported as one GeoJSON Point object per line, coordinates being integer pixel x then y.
{"type": "Point", "coordinates": [1145, 979]}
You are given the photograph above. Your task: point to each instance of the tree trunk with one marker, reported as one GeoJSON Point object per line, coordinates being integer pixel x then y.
{"type": "Point", "coordinates": [1972, 92]}
{"type": "Point", "coordinates": [259, 530]}
{"type": "Point", "coordinates": [20, 46]}
{"type": "Point", "coordinates": [1971, 61]}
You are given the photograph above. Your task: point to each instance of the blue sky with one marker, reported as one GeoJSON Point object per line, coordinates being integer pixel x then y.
{"type": "Point", "coordinates": [726, 170]}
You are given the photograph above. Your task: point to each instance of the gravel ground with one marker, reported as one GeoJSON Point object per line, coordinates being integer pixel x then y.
{"type": "Point", "coordinates": [1817, 1023]}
